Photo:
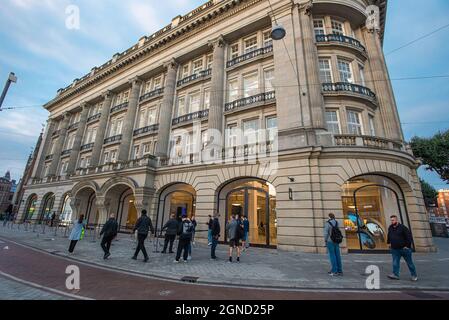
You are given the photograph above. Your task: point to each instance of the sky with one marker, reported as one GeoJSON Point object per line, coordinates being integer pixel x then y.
{"type": "Point", "coordinates": [45, 55]}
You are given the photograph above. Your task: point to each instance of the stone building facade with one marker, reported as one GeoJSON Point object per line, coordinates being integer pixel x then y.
{"type": "Point", "coordinates": [210, 115]}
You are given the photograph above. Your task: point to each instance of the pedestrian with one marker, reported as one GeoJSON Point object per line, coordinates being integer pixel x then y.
{"type": "Point", "coordinates": [8, 214]}
{"type": "Point", "coordinates": [333, 237]}
{"type": "Point", "coordinates": [53, 217]}
{"type": "Point", "coordinates": [400, 241]}
{"type": "Point", "coordinates": [171, 227]}
{"type": "Point", "coordinates": [233, 233]}
{"type": "Point", "coordinates": [245, 242]}
{"type": "Point", "coordinates": [215, 233]}
{"type": "Point", "coordinates": [209, 230]}
{"type": "Point", "coordinates": [143, 226]}
{"type": "Point", "coordinates": [109, 232]}
{"type": "Point", "coordinates": [192, 241]}
{"type": "Point", "coordinates": [185, 230]}
{"type": "Point", "coordinates": [77, 233]}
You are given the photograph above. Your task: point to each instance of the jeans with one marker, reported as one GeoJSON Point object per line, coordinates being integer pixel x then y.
{"type": "Point", "coordinates": [169, 239]}
{"type": "Point", "coordinates": [334, 256]}
{"type": "Point", "coordinates": [246, 239]}
{"type": "Point", "coordinates": [183, 244]}
{"type": "Point", "coordinates": [209, 236]}
{"type": "Point", "coordinates": [407, 255]}
{"type": "Point", "coordinates": [141, 245]}
{"type": "Point", "coordinates": [213, 247]}
{"type": "Point", "coordinates": [106, 243]}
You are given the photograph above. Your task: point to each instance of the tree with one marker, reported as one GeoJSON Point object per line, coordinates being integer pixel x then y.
{"type": "Point", "coordinates": [433, 153]}
{"type": "Point", "coordinates": [429, 193]}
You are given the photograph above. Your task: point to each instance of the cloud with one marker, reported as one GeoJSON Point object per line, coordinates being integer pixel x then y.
{"type": "Point", "coordinates": [145, 16]}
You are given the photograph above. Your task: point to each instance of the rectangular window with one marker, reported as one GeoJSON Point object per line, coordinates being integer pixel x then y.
{"type": "Point", "coordinates": [267, 41]}
{"type": "Point", "coordinates": [250, 130]}
{"type": "Point", "coordinates": [147, 87]}
{"type": "Point", "coordinates": [118, 129]}
{"type": "Point", "coordinates": [185, 71]}
{"type": "Point", "coordinates": [151, 116]}
{"type": "Point", "coordinates": [113, 156]}
{"type": "Point", "coordinates": [209, 61]}
{"type": "Point", "coordinates": [136, 151]}
{"type": "Point", "coordinates": [234, 50]}
{"type": "Point", "coordinates": [83, 163]}
{"type": "Point", "coordinates": [106, 157]}
{"type": "Point", "coordinates": [206, 99]}
{"type": "Point", "coordinates": [157, 83]}
{"type": "Point", "coordinates": [94, 135]}
{"type": "Point", "coordinates": [142, 118]}
{"type": "Point", "coordinates": [197, 66]}
{"type": "Point", "coordinates": [181, 106]}
{"type": "Point", "coordinates": [318, 27]}
{"type": "Point", "coordinates": [87, 162]}
{"type": "Point", "coordinates": [250, 85]}
{"type": "Point", "coordinates": [362, 75]}
{"type": "Point", "coordinates": [272, 128]}
{"type": "Point", "coordinates": [231, 133]}
{"type": "Point", "coordinates": [194, 102]}
{"type": "Point", "coordinates": [146, 148]}
{"type": "Point", "coordinates": [233, 90]}
{"type": "Point", "coordinates": [250, 44]}
{"type": "Point", "coordinates": [344, 68]}
{"type": "Point", "coordinates": [354, 123]}
{"type": "Point", "coordinates": [333, 123]}
{"type": "Point", "coordinates": [372, 126]}
{"type": "Point", "coordinates": [268, 79]}
{"type": "Point", "coordinates": [325, 71]}
{"type": "Point", "coordinates": [337, 27]}
{"type": "Point", "coordinates": [204, 138]}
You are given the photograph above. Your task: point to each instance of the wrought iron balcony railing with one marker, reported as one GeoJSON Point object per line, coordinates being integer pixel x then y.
{"type": "Point", "coordinates": [73, 126]}
{"type": "Point", "coordinates": [87, 146]}
{"type": "Point", "coordinates": [195, 76]}
{"type": "Point", "coordinates": [262, 97]}
{"type": "Point", "coordinates": [324, 38]}
{"type": "Point", "coordinates": [94, 117]}
{"type": "Point", "coordinates": [148, 129]}
{"type": "Point", "coordinates": [49, 157]}
{"type": "Point", "coordinates": [249, 55]}
{"type": "Point", "coordinates": [151, 94]}
{"type": "Point", "coordinates": [56, 132]}
{"type": "Point", "coordinates": [113, 139]}
{"type": "Point", "coordinates": [119, 107]}
{"type": "Point", "coordinates": [191, 116]}
{"type": "Point", "coordinates": [66, 152]}
{"type": "Point", "coordinates": [348, 87]}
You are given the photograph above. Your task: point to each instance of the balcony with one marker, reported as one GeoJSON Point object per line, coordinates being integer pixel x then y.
{"type": "Point", "coordinates": [49, 157]}
{"type": "Point", "coordinates": [350, 140]}
{"type": "Point", "coordinates": [113, 139]}
{"type": "Point", "coordinates": [245, 102]}
{"type": "Point", "coordinates": [196, 76]}
{"type": "Point", "coordinates": [145, 161]}
{"type": "Point", "coordinates": [87, 146]}
{"type": "Point", "coordinates": [349, 88]}
{"type": "Point", "coordinates": [119, 107]}
{"type": "Point", "coordinates": [191, 117]}
{"type": "Point", "coordinates": [56, 132]}
{"type": "Point", "coordinates": [66, 152]}
{"type": "Point", "coordinates": [249, 55]}
{"type": "Point", "coordinates": [152, 94]}
{"type": "Point", "coordinates": [73, 126]}
{"type": "Point", "coordinates": [147, 130]}
{"type": "Point", "coordinates": [340, 39]}
{"type": "Point", "coordinates": [94, 117]}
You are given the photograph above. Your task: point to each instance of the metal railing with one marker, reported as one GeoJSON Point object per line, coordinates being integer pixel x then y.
{"type": "Point", "coordinates": [148, 129]}
{"type": "Point", "coordinates": [66, 152]}
{"type": "Point", "coordinates": [49, 157]}
{"type": "Point", "coordinates": [56, 132]}
{"type": "Point", "coordinates": [348, 87]}
{"type": "Point", "coordinates": [94, 117]}
{"type": "Point", "coordinates": [73, 126]}
{"type": "Point", "coordinates": [87, 146]}
{"type": "Point", "coordinates": [195, 76]}
{"type": "Point", "coordinates": [321, 38]}
{"type": "Point", "coordinates": [113, 139]}
{"type": "Point", "coordinates": [191, 116]}
{"type": "Point", "coordinates": [249, 55]}
{"type": "Point", "coordinates": [145, 161]}
{"type": "Point", "coordinates": [119, 107]}
{"type": "Point", "coordinates": [151, 94]}
{"type": "Point", "coordinates": [261, 97]}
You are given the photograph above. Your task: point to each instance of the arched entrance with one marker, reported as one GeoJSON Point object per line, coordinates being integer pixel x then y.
{"type": "Point", "coordinates": [65, 216]}
{"type": "Point", "coordinates": [177, 199]}
{"type": "Point", "coordinates": [368, 202]}
{"type": "Point", "coordinates": [30, 208]}
{"type": "Point", "coordinates": [121, 201]}
{"type": "Point", "coordinates": [47, 207]}
{"type": "Point", "coordinates": [256, 200]}
{"type": "Point", "coordinates": [85, 204]}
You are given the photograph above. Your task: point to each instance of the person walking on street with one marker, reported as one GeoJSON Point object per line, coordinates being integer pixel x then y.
{"type": "Point", "coordinates": [400, 241]}
{"type": "Point", "coordinates": [77, 233]}
{"type": "Point", "coordinates": [109, 232]}
{"type": "Point", "coordinates": [209, 230]}
{"type": "Point", "coordinates": [192, 240]}
{"type": "Point", "coordinates": [233, 233]}
{"type": "Point", "coordinates": [185, 231]}
{"type": "Point", "coordinates": [8, 214]}
{"type": "Point", "coordinates": [143, 226]}
{"type": "Point", "coordinates": [215, 232]}
{"type": "Point", "coordinates": [245, 240]}
{"type": "Point", "coordinates": [53, 217]}
{"type": "Point", "coordinates": [333, 237]}
{"type": "Point", "coordinates": [171, 227]}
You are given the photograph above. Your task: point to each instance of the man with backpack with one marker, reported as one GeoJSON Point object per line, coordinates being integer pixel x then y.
{"type": "Point", "coordinates": [185, 232]}
{"type": "Point", "coordinates": [333, 237]}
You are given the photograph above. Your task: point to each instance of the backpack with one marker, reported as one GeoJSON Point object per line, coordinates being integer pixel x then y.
{"type": "Point", "coordinates": [336, 235]}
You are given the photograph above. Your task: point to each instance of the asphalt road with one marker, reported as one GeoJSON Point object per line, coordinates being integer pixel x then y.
{"type": "Point", "coordinates": [40, 270]}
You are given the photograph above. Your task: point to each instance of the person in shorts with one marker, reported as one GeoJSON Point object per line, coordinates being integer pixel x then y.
{"type": "Point", "coordinates": [234, 240]}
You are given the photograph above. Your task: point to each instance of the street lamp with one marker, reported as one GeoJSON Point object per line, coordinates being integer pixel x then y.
{"type": "Point", "coordinates": [11, 78]}
{"type": "Point", "coordinates": [277, 32]}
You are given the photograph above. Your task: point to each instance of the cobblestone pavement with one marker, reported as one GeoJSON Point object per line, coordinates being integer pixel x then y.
{"type": "Point", "coordinates": [12, 290]}
{"type": "Point", "coordinates": [258, 268]}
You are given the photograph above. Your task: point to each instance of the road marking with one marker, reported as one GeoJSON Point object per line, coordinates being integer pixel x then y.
{"type": "Point", "coordinates": [38, 286]}
{"type": "Point", "coordinates": [6, 248]}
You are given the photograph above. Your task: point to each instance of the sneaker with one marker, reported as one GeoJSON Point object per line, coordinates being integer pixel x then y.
{"type": "Point", "coordinates": [414, 279]}
{"type": "Point", "coordinates": [107, 255]}
{"type": "Point", "coordinates": [171, 252]}
{"type": "Point", "coordinates": [340, 274]}
{"type": "Point", "coordinates": [230, 260]}
{"type": "Point", "coordinates": [185, 261]}
{"type": "Point", "coordinates": [238, 259]}
{"type": "Point", "coordinates": [209, 244]}
{"type": "Point", "coordinates": [393, 277]}
{"type": "Point", "coordinates": [164, 252]}
{"type": "Point", "coordinates": [332, 274]}
{"type": "Point", "coordinates": [134, 258]}
{"type": "Point", "coordinates": [189, 258]}
{"type": "Point", "coordinates": [176, 261]}
{"type": "Point", "coordinates": [145, 260]}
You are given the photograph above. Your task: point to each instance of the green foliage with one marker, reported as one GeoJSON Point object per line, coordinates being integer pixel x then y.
{"type": "Point", "coordinates": [429, 193]}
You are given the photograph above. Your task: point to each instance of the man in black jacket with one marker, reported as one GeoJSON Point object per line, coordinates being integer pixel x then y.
{"type": "Point", "coordinates": [215, 230]}
{"type": "Point", "coordinates": [109, 232]}
{"type": "Point", "coordinates": [143, 226]}
{"type": "Point", "coordinates": [400, 241]}
{"type": "Point", "coordinates": [170, 235]}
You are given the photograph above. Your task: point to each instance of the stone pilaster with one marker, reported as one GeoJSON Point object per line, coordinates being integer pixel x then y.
{"type": "Point", "coordinates": [166, 112]}
{"type": "Point", "coordinates": [128, 128]}
{"type": "Point", "coordinates": [99, 139]}
{"type": "Point", "coordinates": [78, 139]}
{"type": "Point", "coordinates": [43, 152]}
{"type": "Point", "coordinates": [59, 145]}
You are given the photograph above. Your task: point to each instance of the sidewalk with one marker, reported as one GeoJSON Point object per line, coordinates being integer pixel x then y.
{"type": "Point", "coordinates": [258, 267]}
